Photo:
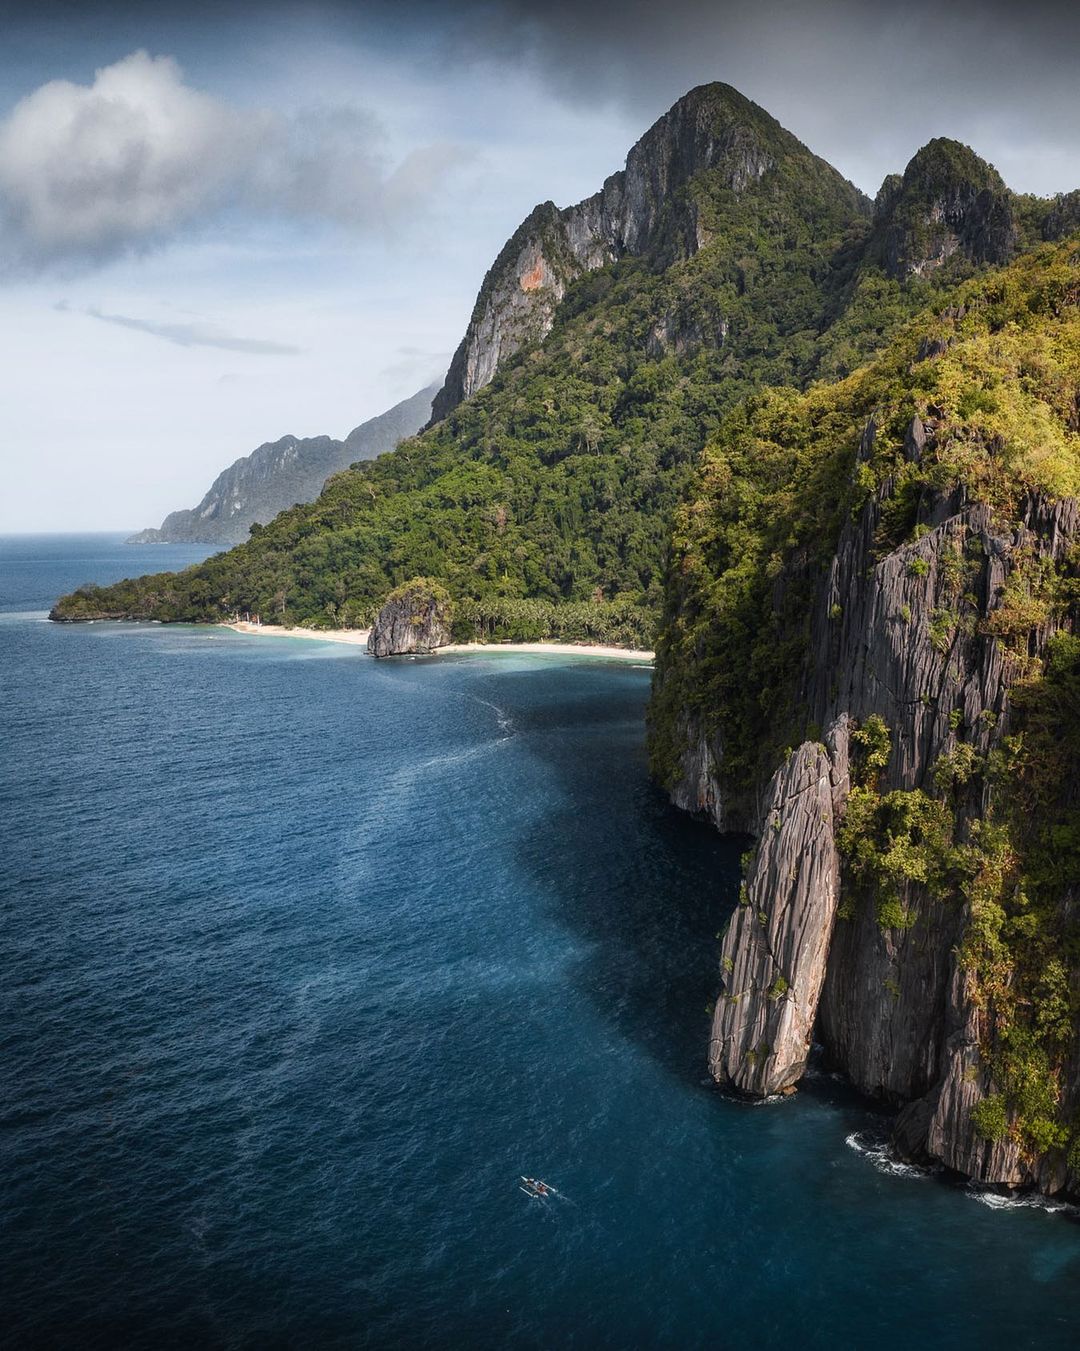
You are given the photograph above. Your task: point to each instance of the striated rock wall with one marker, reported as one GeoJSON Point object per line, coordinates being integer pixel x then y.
{"type": "Point", "coordinates": [775, 949]}
{"type": "Point", "coordinates": [900, 636]}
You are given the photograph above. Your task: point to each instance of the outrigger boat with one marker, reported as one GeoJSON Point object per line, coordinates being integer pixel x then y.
{"type": "Point", "coordinates": [532, 1186]}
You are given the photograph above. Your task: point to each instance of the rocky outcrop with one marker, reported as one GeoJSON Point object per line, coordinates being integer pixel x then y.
{"type": "Point", "coordinates": [649, 207]}
{"type": "Point", "coordinates": [905, 636]}
{"type": "Point", "coordinates": [939, 1126]}
{"type": "Point", "coordinates": [947, 202]}
{"type": "Point", "coordinates": [519, 296]}
{"type": "Point", "coordinates": [281, 473]}
{"type": "Point", "coordinates": [415, 618]}
{"type": "Point", "coordinates": [1063, 217]}
{"type": "Point", "coordinates": [774, 951]}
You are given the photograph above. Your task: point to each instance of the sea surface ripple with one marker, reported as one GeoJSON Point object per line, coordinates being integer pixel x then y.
{"type": "Point", "coordinates": [307, 958]}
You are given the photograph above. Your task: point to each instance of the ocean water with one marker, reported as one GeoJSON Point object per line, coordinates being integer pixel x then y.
{"type": "Point", "coordinates": [305, 958]}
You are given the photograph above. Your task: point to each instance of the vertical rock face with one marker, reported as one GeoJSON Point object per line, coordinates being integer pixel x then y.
{"type": "Point", "coordinates": [521, 292]}
{"type": "Point", "coordinates": [696, 787]}
{"type": "Point", "coordinates": [893, 1007]}
{"type": "Point", "coordinates": [415, 618]}
{"type": "Point", "coordinates": [940, 1125]}
{"type": "Point", "coordinates": [888, 1004]}
{"type": "Point", "coordinates": [775, 948]}
{"type": "Point", "coordinates": [645, 208]}
{"type": "Point", "coordinates": [1063, 218]}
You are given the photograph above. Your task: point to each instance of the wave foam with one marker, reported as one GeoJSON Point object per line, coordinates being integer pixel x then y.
{"type": "Point", "coordinates": [877, 1149]}
{"type": "Point", "coordinates": [1019, 1200]}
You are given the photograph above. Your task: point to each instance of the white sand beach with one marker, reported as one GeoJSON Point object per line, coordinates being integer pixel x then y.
{"type": "Point", "coordinates": [359, 637]}
{"type": "Point", "coordinates": [354, 637]}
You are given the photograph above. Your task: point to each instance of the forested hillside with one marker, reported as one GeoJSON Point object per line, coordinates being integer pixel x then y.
{"type": "Point", "coordinates": [761, 267]}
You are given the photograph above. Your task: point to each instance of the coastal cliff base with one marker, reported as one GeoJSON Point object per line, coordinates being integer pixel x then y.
{"type": "Point", "coordinates": [847, 933]}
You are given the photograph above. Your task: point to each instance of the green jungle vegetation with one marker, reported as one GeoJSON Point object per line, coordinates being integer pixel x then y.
{"type": "Point", "coordinates": [993, 376]}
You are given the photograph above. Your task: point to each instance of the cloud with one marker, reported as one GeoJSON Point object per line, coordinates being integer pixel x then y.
{"type": "Point", "coordinates": [127, 163]}
{"type": "Point", "coordinates": [192, 335]}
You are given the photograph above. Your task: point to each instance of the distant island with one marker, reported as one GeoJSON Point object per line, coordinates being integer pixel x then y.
{"type": "Point", "coordinates": [281, 474]}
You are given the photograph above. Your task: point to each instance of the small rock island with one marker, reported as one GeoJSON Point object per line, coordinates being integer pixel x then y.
{"type": "Point", "coordinates": [415, 618]}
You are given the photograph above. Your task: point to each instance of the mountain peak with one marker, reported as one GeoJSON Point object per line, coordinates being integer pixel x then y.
{"type": "Point", "coordinates": [725, 107]}
{"type": "Point", "coordinates": [721, 99]}
{"type": "Point", "coordinates": [947, 202]}
{"type": "Point", "coordinates": [943, 161]}
{"type": "Point", "coordinates": [712, 146]}
{"type": "Point", "coordinates": [278, 474]}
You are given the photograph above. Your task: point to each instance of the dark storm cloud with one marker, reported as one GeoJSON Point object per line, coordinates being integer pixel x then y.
{"type": "Point", "coordinates": [863, 83]}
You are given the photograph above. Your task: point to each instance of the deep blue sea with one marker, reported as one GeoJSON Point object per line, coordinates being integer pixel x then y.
{"type": "Point", "coordinates": [307, 957]}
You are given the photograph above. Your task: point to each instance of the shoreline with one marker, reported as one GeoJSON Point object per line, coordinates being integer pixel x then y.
{"type": "Point", "coordinates": [359, 637]}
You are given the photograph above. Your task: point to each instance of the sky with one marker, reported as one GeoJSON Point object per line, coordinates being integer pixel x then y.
{"type": "Point", "coordinates": [223, 223]}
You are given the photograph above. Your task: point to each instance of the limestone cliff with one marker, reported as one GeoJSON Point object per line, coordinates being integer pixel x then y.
{"type": "Point", "coordinates": [947, 202]}
{"type": "Point", "coordinates": [891, 909]}
{"type": "Point", "coordinates": [415, 618]}
{"type": "Point", "coordinates": [1063, 216]}
{"type": "Point", "coordinates": [775, 948]}
{"type": "Point", "coordinates": [892, 1007]}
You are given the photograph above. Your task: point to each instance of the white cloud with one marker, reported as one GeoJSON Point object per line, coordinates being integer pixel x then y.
{"type": "Point", "coordinates": [91, 172]}
{"type": "Point", "coordinates": [192, 334]}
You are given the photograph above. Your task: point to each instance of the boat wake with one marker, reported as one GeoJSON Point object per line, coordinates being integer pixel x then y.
{"type": "Point", "coordinates": [503, 719]}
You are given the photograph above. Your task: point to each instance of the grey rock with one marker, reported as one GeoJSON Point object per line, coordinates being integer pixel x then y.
{"type": "Point", "coordinates": [775, 948]}
{"type": "Point", "coordinates": [1063, 218]}
{"type": "Point", "coordinates": [415, 618]}
{"type": "Point", "coordinates": [915, 440]}
{"type": "Point", "coordinates": [867, 439]}
{"type": "Point", "coordinates": [696, 788]}
{"type": "Point", "coordinates": [282, 473]}
{"type": "Point", "coordinates": [930, 348]}
{"type": "Point", "coordinates": [947, 202]}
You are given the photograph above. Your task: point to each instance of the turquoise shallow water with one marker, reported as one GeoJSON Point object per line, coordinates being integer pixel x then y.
{"type": "Point", "coordinates": [306, 957]}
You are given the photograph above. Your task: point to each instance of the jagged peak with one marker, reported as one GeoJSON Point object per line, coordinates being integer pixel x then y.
{"type": "Point", "coordinates": [711, 142]}
{"type": "Point", "coordinates": [721, 100]}
{"type": "Point", "coordinates": [948, 201]}
{"type": "Point", "coordinates": [725, 121]}
{"type": "Point", "coordinates": [943, 163]}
